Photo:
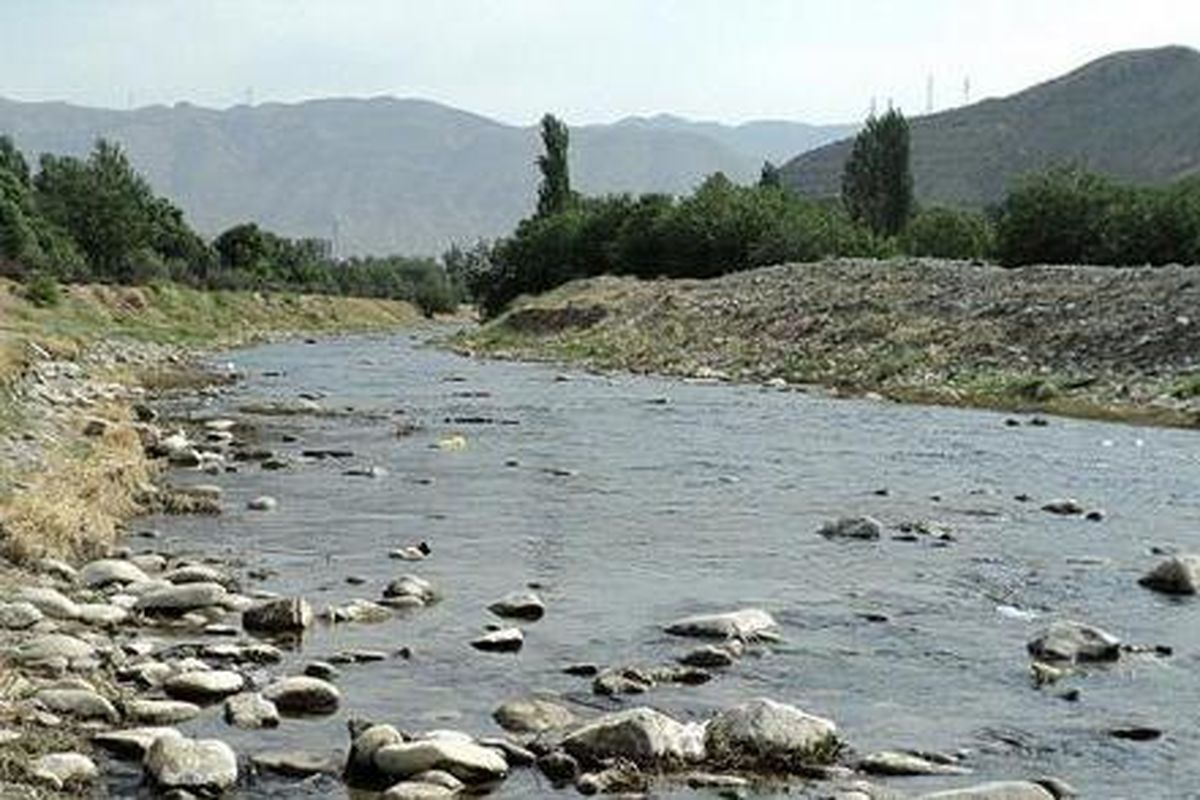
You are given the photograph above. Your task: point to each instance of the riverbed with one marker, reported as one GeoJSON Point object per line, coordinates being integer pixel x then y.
{"type": "Point", "coordinates": [631, 501]}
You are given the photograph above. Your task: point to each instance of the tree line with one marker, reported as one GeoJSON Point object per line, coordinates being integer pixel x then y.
{"type": "Point", "coordinates": [95, 219]}
{"type": "Point", "coordinates": [1064, 215]}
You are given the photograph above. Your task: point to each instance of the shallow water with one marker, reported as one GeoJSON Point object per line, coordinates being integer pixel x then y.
{"type": "Point", "coordinates": [706, 502]}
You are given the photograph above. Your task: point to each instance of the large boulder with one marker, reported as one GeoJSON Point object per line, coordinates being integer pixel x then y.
{"type": "Point", "coordinates": [1177, 575]}
{"type": "Point", "coordinates": [200, 766]}
{"type": "Point", "coordinates": [999, 790]}
{"type": "Point", "coordinates": [771, 735]}
{"type": "Point", "coordinates": [465, 760]}
{"type": "Point", "coordinates": [281, 615]}
{"type": "Point", "coordinates": [644, 736]}
{"type": "Point", "coordinates": [303, 695]}
{"type": "Point", "coordinates": [533, 715]}
{"type": "Point", "coordinates": [176, 600]}
{"type": "Point", "coordinates": [747, 624]}
{"type": "Point", "coordinates": [108, 571]}
{"type": "Point", "coordinates": [1074, 642]}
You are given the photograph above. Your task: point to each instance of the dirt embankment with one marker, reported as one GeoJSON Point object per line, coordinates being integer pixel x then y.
{"type": "Point", "coordinates": [1090, 341]}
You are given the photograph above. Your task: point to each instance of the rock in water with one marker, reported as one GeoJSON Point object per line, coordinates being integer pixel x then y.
{"type": "Point", "coordinates": [177, 600]}
{"type": "Point", "coordinates": [644, 736]}
{"type": "Point", "coordinates": [160, 712]}
{"type": "Point", "coordinates": [852, 528]}
{"type": "Point", "coordinates": [418, 790]}
{"type": "Point", "coordinates": [303, 695]}
{"type": "Point", "coordinates": [1075, 642]}
{"type": "Point", "coordinates": [282, 615]}
{"type": "Point", "coordinates": [533, 715]}
{"type": "Point", "coordinates": [199, 766]}
{"type": "Point", "coordinates": [204, 686]}
{"type": "Point", "coordinates": [519, 605]}
{"type": "Point", "coordinates": [770, 735]}
{"type": "Point", "coordinates": [889, 762]}
{"type": "Point", "coordinates": [1064, 506]}
{"type": "Point", "coordinates": [505, 640]}
{"type": "Point", "coordinates": [465, 760]}
{"type": "Point", "coordinates": [1000, 790]}
{"type": "Point", "coordinates": [412, 587]}
{"type": "Point", "coordinates": [251, 710]}
{"type": "Point", "coordinates": [1178, 575]}
{"type": "Point", "coordinates": [133, 742]}
{"type": "Point", "coordinates": [263, 503]}
{"type": "Point", "coordinates": [748, 624]}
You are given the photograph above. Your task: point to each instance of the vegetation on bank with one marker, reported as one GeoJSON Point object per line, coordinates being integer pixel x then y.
{"type": "Point", "coordinates": [96, 220]}
{"type": "Point", "coordinates": [1062, 216]}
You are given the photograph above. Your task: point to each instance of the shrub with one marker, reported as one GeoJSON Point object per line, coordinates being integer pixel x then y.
{"type": "Point", "coordinates": [42, 289]}
{"type": "Point", "coordinates": [948, 233]}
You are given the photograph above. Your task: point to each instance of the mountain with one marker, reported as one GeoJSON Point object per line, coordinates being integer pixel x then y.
{"type": "Point", "coordinates": [384, 174]}
{"type": "Point", "coordinates": [1133, 115]}
{"type": "Point", "coordinates": [771, 140]}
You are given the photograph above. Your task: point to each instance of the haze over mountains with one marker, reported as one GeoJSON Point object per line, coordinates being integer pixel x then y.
{"type": "Point", "coordinates": [1134, 115]}
{"type": "Point", "coordinates": [389, 175]}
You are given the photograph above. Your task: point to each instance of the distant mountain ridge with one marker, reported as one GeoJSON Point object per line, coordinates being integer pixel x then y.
{"type": "Point", "coordinates": [1133, 115]}
{"type": "Point", "coordinates": [385, 175]}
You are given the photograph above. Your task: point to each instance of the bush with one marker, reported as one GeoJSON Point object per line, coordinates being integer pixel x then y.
{"type": "Point", "coordinates": [948, 233]}
{"type": "Point", "coordinates": [42, 289]}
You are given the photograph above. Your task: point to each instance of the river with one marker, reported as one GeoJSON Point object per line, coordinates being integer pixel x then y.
{"type": "Point", "coordinates": [632, 501]}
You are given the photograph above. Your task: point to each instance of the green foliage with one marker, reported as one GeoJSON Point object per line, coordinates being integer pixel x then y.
{"type": "Point", "coordinates": [42, 289]}
{"type": "Point", "coordinates": [769, 177]}
{"type": "Point", "coordinates": [948, 233]}
{"type": "Point", "coordinates": [13, 161]}
{"type": "Point", "coordinates": [877, 184]}
{"type": "Point", "coordinates": [719, 228]}
{"type": "Point", "coordinates": [554, 193]}
{"type": "Point", "coordinates": [1070, 216]}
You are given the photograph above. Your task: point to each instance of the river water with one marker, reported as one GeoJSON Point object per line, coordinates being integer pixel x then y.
{"type": "Point", "coordinates": [633, 501]}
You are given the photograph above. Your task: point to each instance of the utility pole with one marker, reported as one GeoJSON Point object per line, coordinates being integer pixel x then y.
{"type": "Point", "coordinates": [967, 91]}
{"type": "Point", "coordinates": [929, 93]}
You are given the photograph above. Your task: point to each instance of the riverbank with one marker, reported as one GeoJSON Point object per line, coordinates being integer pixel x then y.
{"type": "Point", "coordinates": [72, 466]}
{"type": "Point", "coordinates": [76, 378]}
{"type": "Point", "coordinates": [1119, 344]}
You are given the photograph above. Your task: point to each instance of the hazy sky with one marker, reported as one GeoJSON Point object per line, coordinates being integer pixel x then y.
{"type": "Point", "coordinates": [587, 60]}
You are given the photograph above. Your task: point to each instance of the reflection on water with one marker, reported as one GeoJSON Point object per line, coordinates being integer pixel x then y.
{"type": "Point", "coordinates": [629, 511]}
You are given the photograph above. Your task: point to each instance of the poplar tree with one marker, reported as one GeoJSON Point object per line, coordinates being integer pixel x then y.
{"type": "Point", "coordinates": [877, 184]}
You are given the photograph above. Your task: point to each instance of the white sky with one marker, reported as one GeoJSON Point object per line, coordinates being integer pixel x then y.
{"type": "Point", "coordinates": [586, 60]}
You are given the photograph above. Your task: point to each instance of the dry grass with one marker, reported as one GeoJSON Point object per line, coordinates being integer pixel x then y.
{"type": "Point", "coordinates": [74, 508]}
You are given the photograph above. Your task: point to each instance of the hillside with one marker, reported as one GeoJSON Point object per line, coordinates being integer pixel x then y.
{"type": "Point", "coordinates": [1104, 342]}
{"type": "Point", "coordinates": [1132, 115]}
{"type": "Point", "coordinates": [390, 175]}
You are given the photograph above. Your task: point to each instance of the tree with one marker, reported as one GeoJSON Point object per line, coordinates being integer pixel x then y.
{"type": "Point", "coordinates": [554, 193]}
{"type": "Point", "coordinates": [13, 161]}
{"type": "Point", "coordinates": [877, 184]}
{"type": "Point", "coordinates": [770, 178]}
